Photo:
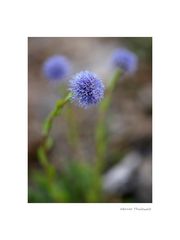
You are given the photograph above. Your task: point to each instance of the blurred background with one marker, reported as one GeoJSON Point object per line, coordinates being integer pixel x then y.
{"type": "Point", "coordinates": [127, 175]}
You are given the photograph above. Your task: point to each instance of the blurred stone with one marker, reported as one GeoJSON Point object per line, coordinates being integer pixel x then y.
{"type": "Point", "coordinates": [117, 179]}
{"type": "Point", "coordinates": [143, 191]}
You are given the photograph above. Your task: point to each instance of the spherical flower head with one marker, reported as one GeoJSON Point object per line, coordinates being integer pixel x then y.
{"type": "Point", "coordinates": [125, 60]}
{"type": "Point", "coordinates": [87, 89]}
{"type": "Point", "coordinates": [56, 67]}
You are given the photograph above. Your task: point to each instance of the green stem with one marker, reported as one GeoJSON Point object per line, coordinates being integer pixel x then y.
{"type": "Point", "coordinates": [55, 112]}
{"type": "Point", "coordinates": [42, 155]}
{"type": "Point", "coordinates": [47, 126]}
{"type": "Point", "coordinates": [101, 134]}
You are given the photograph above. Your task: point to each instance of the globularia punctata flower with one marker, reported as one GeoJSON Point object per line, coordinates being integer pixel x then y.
{"type": "Point", "coordinates": [56, 67]}
{"type": "Point", "coordinates": [87, 89]}
{"type": "Point", "coordinates": [125, 59]}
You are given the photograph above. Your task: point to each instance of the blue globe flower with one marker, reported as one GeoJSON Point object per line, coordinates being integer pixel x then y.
{"type": "Point", "coordinates": [56, 67]}
{"type": "Point", "coordinates": [87, 89]}
{"type": "Point", "coordinates": [125, 59]}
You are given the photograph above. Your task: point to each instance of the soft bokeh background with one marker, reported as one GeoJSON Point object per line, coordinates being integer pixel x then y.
{"type": "Point", "coordinates": [127, 176]}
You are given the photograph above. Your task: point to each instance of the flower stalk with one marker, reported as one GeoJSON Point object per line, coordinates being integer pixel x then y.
{"type": "Point", "coordinates": [47, 141]}
{"type": "Point", "coordinates": [101, 133]}
{"type": "Point", "coordinates": [55, 112]}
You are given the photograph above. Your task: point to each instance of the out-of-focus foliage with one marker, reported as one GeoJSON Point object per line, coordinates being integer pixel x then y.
{"type": "Point", "coordinates": [79, 182]}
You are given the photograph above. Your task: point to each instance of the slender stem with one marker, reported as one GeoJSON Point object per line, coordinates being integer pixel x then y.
{"type": "Point", "coordinates": [42, 155]}
{"type": "Point", "coordinates": [101, 133]}
{"type": "Point", "coordinates": [47, 126]}
{"type": "Point", "coordinates": [55, 112]}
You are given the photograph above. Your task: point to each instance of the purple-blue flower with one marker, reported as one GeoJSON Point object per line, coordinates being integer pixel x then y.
{"type": "Point", "coordinates": [125, 60]}
{"type": "Point", "coordinates": [56, 67]}
{"type": "Point", "coordinates": [87, 89]}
